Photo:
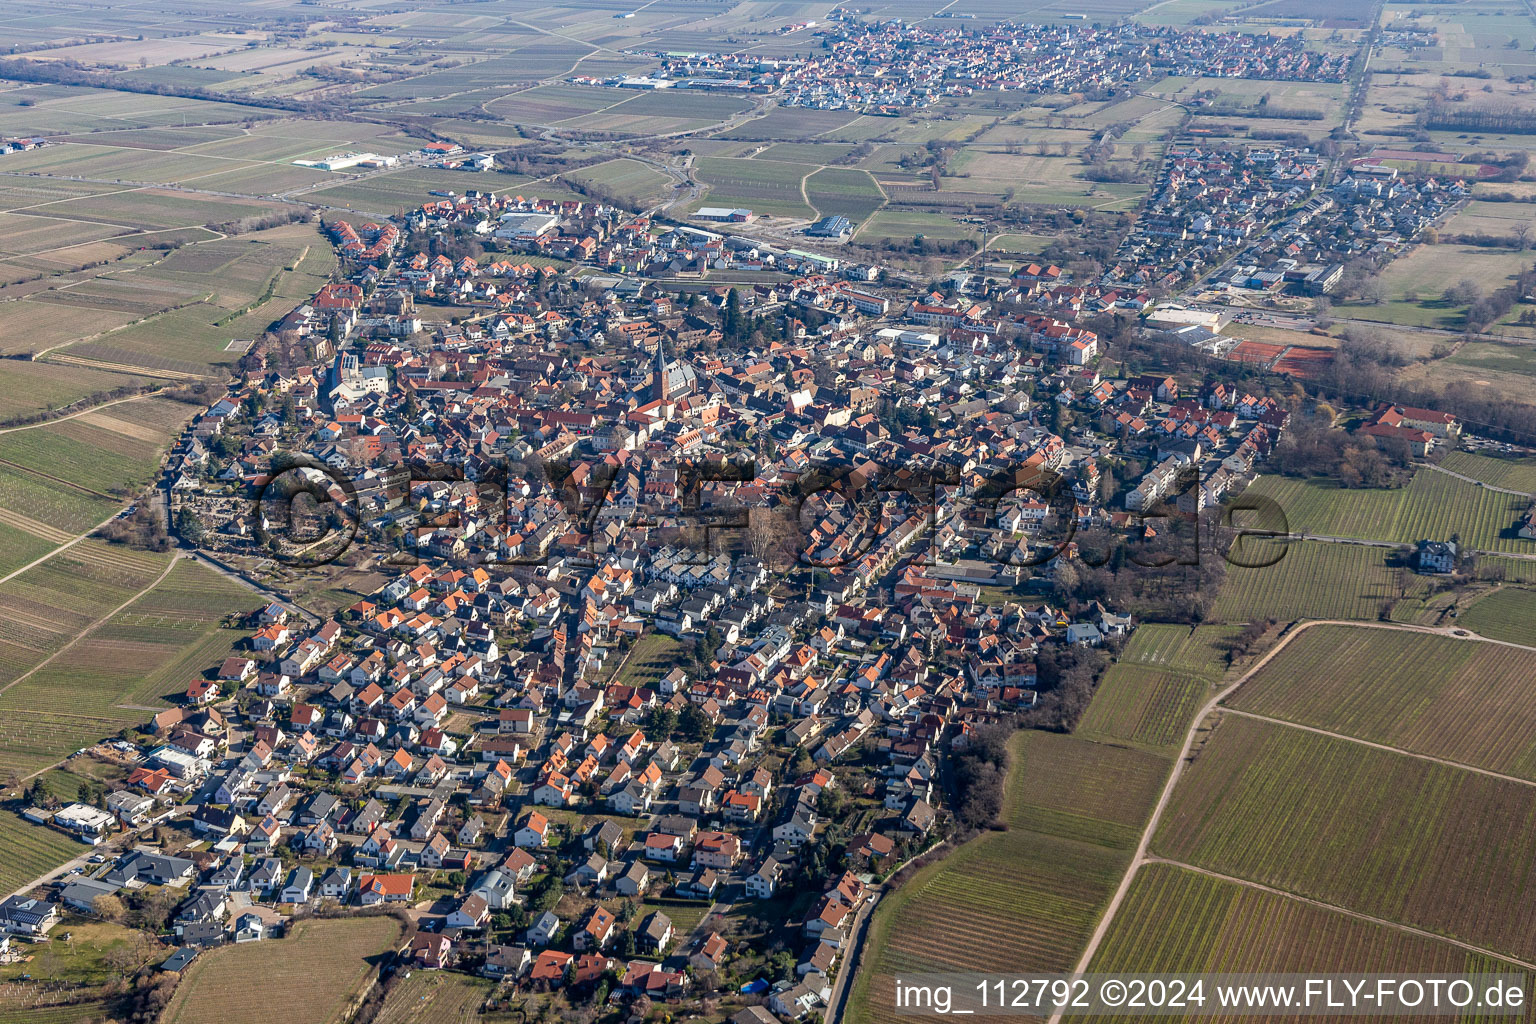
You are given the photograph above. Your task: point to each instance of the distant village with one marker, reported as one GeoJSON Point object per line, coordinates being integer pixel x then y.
{"type": "Point", "coordinates": [891, 67]}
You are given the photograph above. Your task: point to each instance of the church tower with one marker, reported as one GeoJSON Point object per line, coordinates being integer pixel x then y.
{"type": "Point", "coordinates": [662, 388]}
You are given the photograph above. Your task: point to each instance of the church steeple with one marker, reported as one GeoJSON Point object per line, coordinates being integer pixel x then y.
{"type": "Point", "coordinates": [662, 389]}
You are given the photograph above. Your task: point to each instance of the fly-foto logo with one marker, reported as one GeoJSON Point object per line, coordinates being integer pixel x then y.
{"type": "Point", "coordinates": [831, 516]}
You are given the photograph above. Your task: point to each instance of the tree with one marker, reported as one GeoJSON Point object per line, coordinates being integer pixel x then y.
{"type": "Point", "coordinates": [108, 907]}
{"type": "Point", "coordinates": [189, 526]}
{"type": "Point", "coordinates": [1463, 293]}
{"type": "Point", "coordinates": [694, 724]}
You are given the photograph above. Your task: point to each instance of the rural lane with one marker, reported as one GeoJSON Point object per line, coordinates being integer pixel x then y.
{"type": "Point", "coordinates": [1383, 922]}
{"type": "Point", "coordinates": [79, 412]}
{"type": "Point", "coordinates": [82, 634]}
{"type": "Point", "coordinates": [1473, 480]}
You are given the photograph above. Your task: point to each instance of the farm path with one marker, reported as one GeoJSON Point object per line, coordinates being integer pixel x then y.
{"type": "Point", "coordinates": [311, 617]}
{"type": "Point", "coordinates": [1463, 766]}
{"type": "Point", "coordinates": [1381, 921]}
{"type": "Point", "coordinates": [1474, 480]}
{"type": "Point", "coordinates": [91, 628]}
{"type": "Point", "coordinates": [78, 412]}
{"type": "Point", "coordinates": [1141, 856]}
{"type": "Point", "coordinates": [62, 547]}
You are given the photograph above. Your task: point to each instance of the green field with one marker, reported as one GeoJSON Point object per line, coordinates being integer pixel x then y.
{"type": "Point", "coordinates": [1143, 705]}
{"type": "Point", "coordinates": [1175, 920]}
{"type": "Point", "coordinates": [629, 179]}
{"type": "Point", "coordinates": [766, 187]}
{"type": "Point", "coordinates": [321, 966]}
{"type": "Point", "coordinates": [901, 226]}
{"type": "Point", "coordinates": [1434, 505]}
{"type": "Point", "coordinates": [1435, 695]}
{"type": "Point", "coordinates": [30, 850]}
{"type": "Point", "coordinates": [850, 193]}
{"type": "Point", "coordinates": [27, 388]}
{"type": "Point", "coordinates": [1316, 580]}
{"type": "Point", "coordinates": [1513, 474]}
{"type": "Point", "coordinates": [1328, 819]}
{"type": "Point", "coordinates": [1079, 789]}
{"type": "Point", "coordinates": [1015, 901]}
{"type": "Point", "coordinates": [1509, 614]}
{"type": "Point", "coordinates": [188, 304]}
{"type": "Point", "coordinates": [122, 670]}
{"type": "Point", "coordinates": [653, 656]}
{"type": "Point", "coordinates": [1415, 283]}
{"type": "Point", "coordinates": [1073, 808]}
{"type": "Point", "coordinates": [1163, 676]}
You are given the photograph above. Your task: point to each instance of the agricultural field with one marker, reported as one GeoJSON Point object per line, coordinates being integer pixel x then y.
{"type": "Point", "coordinates": [43, 607]}
{"type": "Point", "coordinates": [1499, 569]}
{"type": "Point", "coordinates": [34, 1003]}
{"type": "Point", "coordinates": [1325, 818]}
{"type": "Point", "coordinates": [1512, 474]}
{"type": "Point", "coordinates": [651, 657]}
{"type": "Point", "coordinates": [551, 104]}
{"type": "Point", "coordinates": [626, 179]}
{"type": "Point", "coordinates": [107, 460]}
{"type": "Point", "coordinates": [120, 671]}
{"type": "Point", "coordinates": [1318, 580]}
{"type": "Point", "coordinates": [188, 304]}
{"type": "Point", "coordinates": [1176, 920]}
{"type": "Point", "coordinates": [1508, 614]}
{"type": "Point", "coordinates": [55, 511]}
{"type": "Point", "coordinates": [1078, 789]}
{"type": "Point", "coordinates": [848, 192]}
{"type": "Point", "coordinates": [323, 965]}
{"type": "Point", "coordinates": [1073, 808]}
{"type": "Point", "coordinates": [73, 109]}
{"type": "Point", "coordinates": [1434, 505]}
{"type": "Point", "coordinates": [763, 186]}
{"type": "Point", "coordinates": [386, 194]}
{"type": "Point", "coordinates": [29, 326]}
{"type": "Point", "coordinates": [28, 388]}
{"type": "Point", "coordinates": [1013, 901]}
{"type": "Point", "coordinates": [429, 997]}
{"type": "Point", "coordinates": [663, 113]}
{"type": "Point", "coordinates": [1434, 695]}
{"type": "Point", "coordinates": [153, 209]}
{"type": "Point", "coordinates": [901, 226]}
{"type": "Point", "coordinates": [1198, 650]}
{"type": "Point", "coordinates": [1143, 705]}
{"type": "Point", "coordinates": [1162, 677]}
{"type": "Point", "coordinates": [30, 850]}
{"type": "Point", "coordinates": [784, 124]}
{"type": "Point", "coordinates": [1414, 284]}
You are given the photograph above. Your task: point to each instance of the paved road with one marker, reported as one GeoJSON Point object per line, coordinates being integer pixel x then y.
{"type": "Point", "coordinates": [107, 849]}
{"type": "Point", "coordinates": [857, 940]}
